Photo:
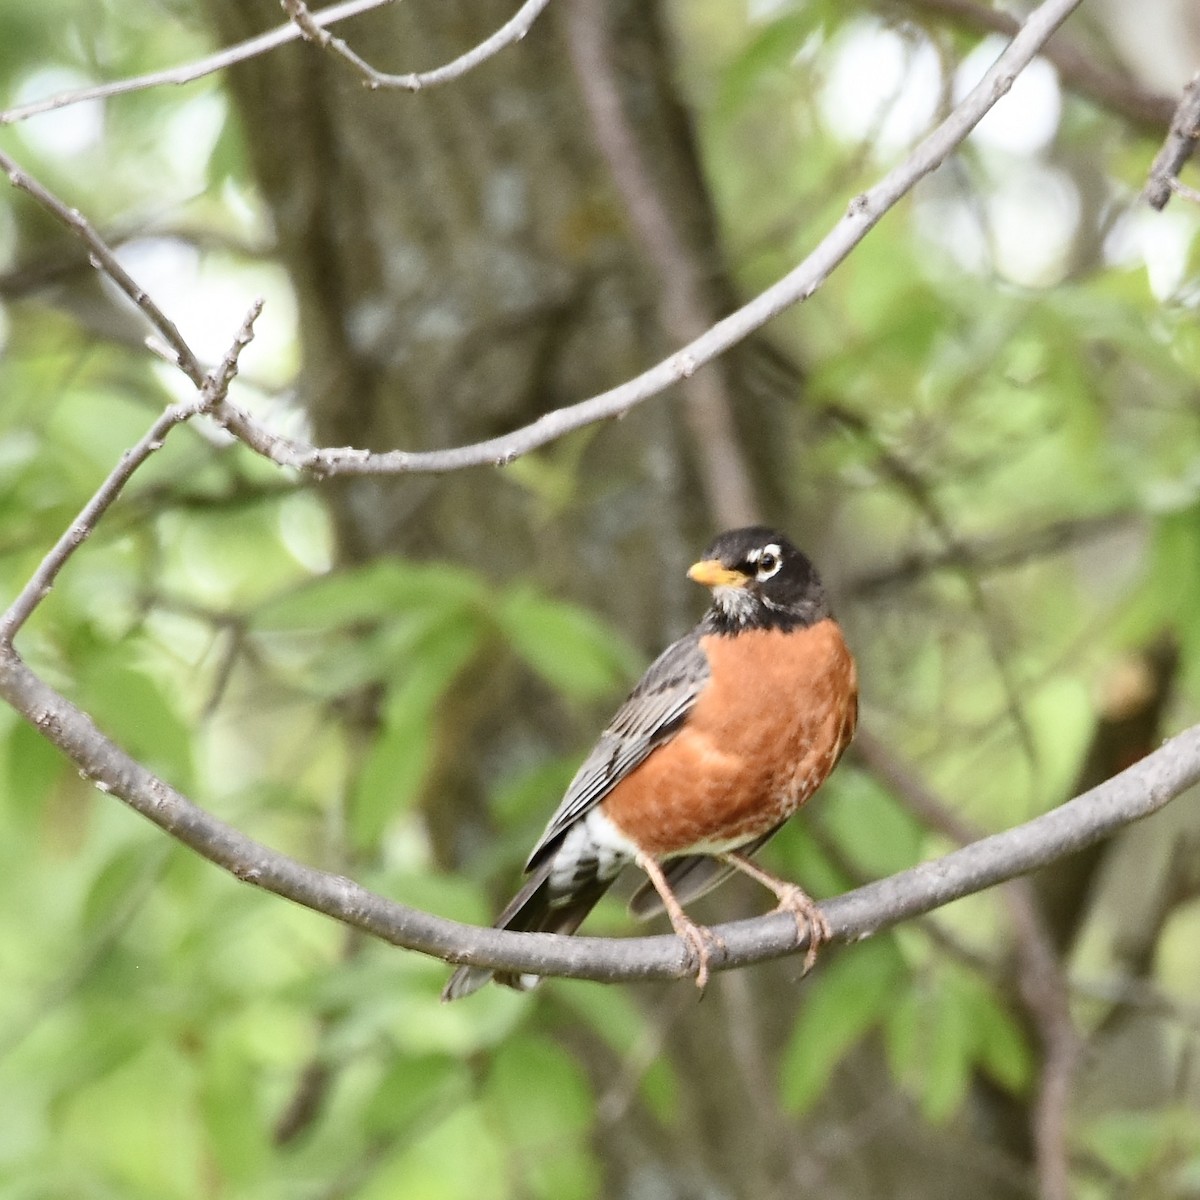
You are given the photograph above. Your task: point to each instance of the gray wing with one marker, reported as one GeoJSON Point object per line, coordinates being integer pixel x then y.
{"type": "Point", "coordinates": [654, 711]}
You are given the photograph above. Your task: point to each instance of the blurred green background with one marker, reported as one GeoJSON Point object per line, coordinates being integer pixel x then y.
{"type": "Point", "coordinates": [985, 428]}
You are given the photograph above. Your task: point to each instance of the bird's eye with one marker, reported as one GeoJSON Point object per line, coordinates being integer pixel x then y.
{"type": "Point", "coordinates": [768, 562]}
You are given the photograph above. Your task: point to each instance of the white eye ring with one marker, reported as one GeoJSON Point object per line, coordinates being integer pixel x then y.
{"type": "Point", "coordinates": [769, 560]}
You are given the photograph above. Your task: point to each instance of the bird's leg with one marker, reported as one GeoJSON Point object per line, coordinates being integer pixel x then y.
{"type": "Point", "coordinates": [699, 939]}
{"type": "Point", "coordinates": [810, 919]}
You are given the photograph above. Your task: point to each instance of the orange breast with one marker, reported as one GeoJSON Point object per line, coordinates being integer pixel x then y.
{"type": "Point", "coordinates": [772, 723]}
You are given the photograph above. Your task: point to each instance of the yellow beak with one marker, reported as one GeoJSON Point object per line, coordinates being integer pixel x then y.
{"type": "Point", "coordinates": [711, 572]}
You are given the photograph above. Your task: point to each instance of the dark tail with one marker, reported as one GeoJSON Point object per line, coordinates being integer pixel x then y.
{"type": "Point", "coordinates": [530, 911]}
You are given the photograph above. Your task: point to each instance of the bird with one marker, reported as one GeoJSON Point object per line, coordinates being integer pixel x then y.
{"type": "Point", "coordinates": [730, 730]}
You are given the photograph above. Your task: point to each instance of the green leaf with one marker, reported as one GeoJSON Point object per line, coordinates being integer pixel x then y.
{"type": "Point", "coordinates": [615, 1017]}
{"type": "Point", "coordinates": [32, 766]}
{"type": "Point", "coordinates": [569, 647]}
{"type": "Point", "coordinates": [392, 775]}
{"type": "Point", "coordinates": [877, 834]}
{"type": "Point", "coordinates": [373, 592]}
{"type": "Point", "coordinates": [948, 1053]}
{"type": "Point", "coordinates": [393, 1000]}
{"type": "Point", "coordinates": [849, 998]}
{"type": "Point", "coordinates": [1130, 1142]}
{"type": "Point", "coordinates": [343, 663]}
{"type": "Point", "coordinates": [461, 1157]}
{"type": "Point", "coordinates": [109, 1123]}
{"type": "Point", "coordinates": [1001, 1045]}
{"type": "Point", "coordinates": [116, 884]}
{"type": "Point", "coordinates": [237, 1129]}
{"type": "Point", "coordinates": [135, 709]}
{"type": "Point", "coordinates": [941, 1029]}
{"type": "Point", "coordinates": [529, 795]}
{"type": "Point", "coordinates": [540, 1097]}
{"type": "Point", "coordinates": [413, 1087]}
{"type": "Point", "coordinates": [773, 49]}
{"type": "Point", "coordinates": [538, 1091]}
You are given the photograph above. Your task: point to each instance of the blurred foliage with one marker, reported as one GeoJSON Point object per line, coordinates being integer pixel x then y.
{"type": "Point", "coordinates": [156, 1019]}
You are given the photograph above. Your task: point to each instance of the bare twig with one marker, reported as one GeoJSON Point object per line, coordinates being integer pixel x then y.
{"type": "Point", "coordinates": [1177, 149]}
{"type": "Point", "coordinates": [513, 30]}
{"type": "Point", "coordinates": [1125, 992]}
{"type": "Point", "coordinates": [103, 259]}
{"type": "Point", "coordinates": [1046, 994]}
{"type": "Point", "coordinates": [865, 211]}
{"type": "Point", "coordinates": [1135, 793]}
{"type": "Point", "coordinates": [189, 72]}
{"type": "Point", "coordinates": [1188, 193]}
{"type": "Point", "coordinates": [686, 311]}
{"type": "Point", "coordinates": [1079, 70]}
{"type": "Point", "coordinates": [991, 554]}
{"type": "Point", "coordinates": [213, 388]}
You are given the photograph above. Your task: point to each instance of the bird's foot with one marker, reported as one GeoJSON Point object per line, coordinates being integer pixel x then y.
{"type": "Point", "coordinates": [701, 944]}
{"type": "Point", "coordinates": [700, 941]}
{"type": "Point", "coordinates": [811, 922]}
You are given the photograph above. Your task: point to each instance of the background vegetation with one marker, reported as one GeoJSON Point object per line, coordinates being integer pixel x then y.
{"type": "Point", "coordinates": [984, 427]}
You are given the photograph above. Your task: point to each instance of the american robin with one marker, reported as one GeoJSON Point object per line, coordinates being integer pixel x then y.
{"type": "Point", "coordinates": [729, 732]}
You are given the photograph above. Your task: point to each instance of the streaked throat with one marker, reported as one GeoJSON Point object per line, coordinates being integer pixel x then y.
{"type": "Point", "coordinates": [737, 605]}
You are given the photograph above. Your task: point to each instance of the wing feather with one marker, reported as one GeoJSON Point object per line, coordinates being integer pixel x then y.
{"type": "Point", "coordinates": [649, 717]}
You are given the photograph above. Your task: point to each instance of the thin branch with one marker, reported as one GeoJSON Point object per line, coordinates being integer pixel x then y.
{"type": "Point", "coordinates": [1135, 793]}
{"type": "Point", "coordinates": [513, 30]}
{"type": "Point", "coordinates": [1188, 193]}
{"type": "Point", "coordinates": [993, 553]}
{"type": "Point", "coordinates": [864, 212]}
{"type": "Point", "coordinates": [1121, 95]}
{"type": "Point", "coordinates": [213, 388]}
{"type": "Point", "coordinates": [1124, 992]}
{"type": "Point", "coordinates": [1177, 149]}
{"type": "Point", "coordinates": [189, 72]}
{"type": "Point", "coordinates": [103, 259]}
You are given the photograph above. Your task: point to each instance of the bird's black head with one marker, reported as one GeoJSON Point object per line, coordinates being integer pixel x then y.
{"type": "Point", "coordinates": [759, 580]}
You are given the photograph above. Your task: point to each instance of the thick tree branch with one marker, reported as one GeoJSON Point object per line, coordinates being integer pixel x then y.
{"type": "Point", "coordinates": [1135, 793]}
{"type": "Point", "coordinates": [864, 212]}
{"type": "Point", "coordinates": [513, 30]}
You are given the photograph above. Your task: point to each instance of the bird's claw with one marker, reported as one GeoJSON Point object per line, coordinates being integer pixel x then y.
{"type": "Point", "coordinates": [811, 922]}
{"type": "Point", "coordinates": [701, 943]}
